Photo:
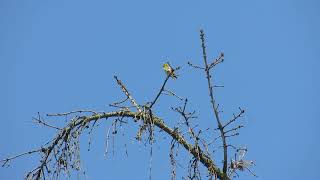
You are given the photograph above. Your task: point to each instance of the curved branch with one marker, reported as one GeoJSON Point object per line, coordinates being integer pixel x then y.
{"type": "Point", "coordinates": [80, 122]}
{"type": "Point", "coordinates": [196, 152]}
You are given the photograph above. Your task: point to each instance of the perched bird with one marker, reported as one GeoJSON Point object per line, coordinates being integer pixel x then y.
{"type": "Point", "coordinates": [169, 70]}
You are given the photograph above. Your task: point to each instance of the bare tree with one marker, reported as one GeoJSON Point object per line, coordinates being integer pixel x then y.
{"type": "Point", "coordinates": [62, 153]}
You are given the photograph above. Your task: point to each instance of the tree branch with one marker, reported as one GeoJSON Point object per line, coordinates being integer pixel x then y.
{"type": "Point", "coordinates": [213, 103]}
{"type": "Point", "coordinates": [160, 91]}
{"type": "Point", "coordinates": [124, 89]}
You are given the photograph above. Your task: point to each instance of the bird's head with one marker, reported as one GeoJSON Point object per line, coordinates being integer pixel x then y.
{"type": "Point", "coordinates": [165, 65]}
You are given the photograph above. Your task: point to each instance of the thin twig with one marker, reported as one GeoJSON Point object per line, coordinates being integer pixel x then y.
{"type": "Point", "coordinates": [168, 92]}
{"type": "Point", "coordinates": [220, 59]}
{"type": "Point", "coordinates": [235, 117]}
{"type": "Point", "coordinates": [160, 91]}
{"type": "Point", "coordinates": [120, 102]}
{"type": "Point", "coordinates": [7, 160]}
{"type": "Point", "coordinates": [195, 66]}
{"type": "Point", "coordinates": [73, 112]}
{"type": "Point", "coordinates": [44, 123]}
{"type": "Point", "coordinates": [234, 129]}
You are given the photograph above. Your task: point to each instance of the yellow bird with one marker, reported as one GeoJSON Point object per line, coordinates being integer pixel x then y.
{"type": "Point", "coordinates": [169, 70]}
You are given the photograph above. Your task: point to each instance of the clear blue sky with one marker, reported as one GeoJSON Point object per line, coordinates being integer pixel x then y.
{"type": "Point", "coordinates": [58, 56]}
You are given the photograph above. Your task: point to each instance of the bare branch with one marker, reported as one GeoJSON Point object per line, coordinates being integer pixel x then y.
{"type": "Point", "coordinates": [195, 66]}
{"type": "Point", "coordinates": [160, 91]}
{"type": "Point", "coordinates": [120, 102]}
{"type": "Point", "coordinates": [42, 122]}
{"type": "Point", "coordinates": [220, 59]}
{"type": "Point", "coordinates": [234, 129]}
{"type": "Point", "coordinates": [163, 85]}
{"type": "Point", "coordinates": [124, 89]}
{"type": "Point", "coordinates": [73, 112]}
{"type": "Point", "coordinates": [168, 92]}
{"type": "Point", "coordinates": [173, 160]}
{"type": "Point", "coordinates": [235, 134]}
{"type": "Point", "coordinates": [7, 160]}
{"type": "Point", "coordinates": [81, 122]}
{"type": "Point", "coordinates": [235, 117]}
{"type": "Point", "coordinates": [213, 103]}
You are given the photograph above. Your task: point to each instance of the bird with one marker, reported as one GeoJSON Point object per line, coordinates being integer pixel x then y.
{"type": "Point", "coordinates": [169, 70]}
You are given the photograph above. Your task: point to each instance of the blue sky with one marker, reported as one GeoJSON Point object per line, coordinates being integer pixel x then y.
{"type": "Point", "coordinates": [58, 56]}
